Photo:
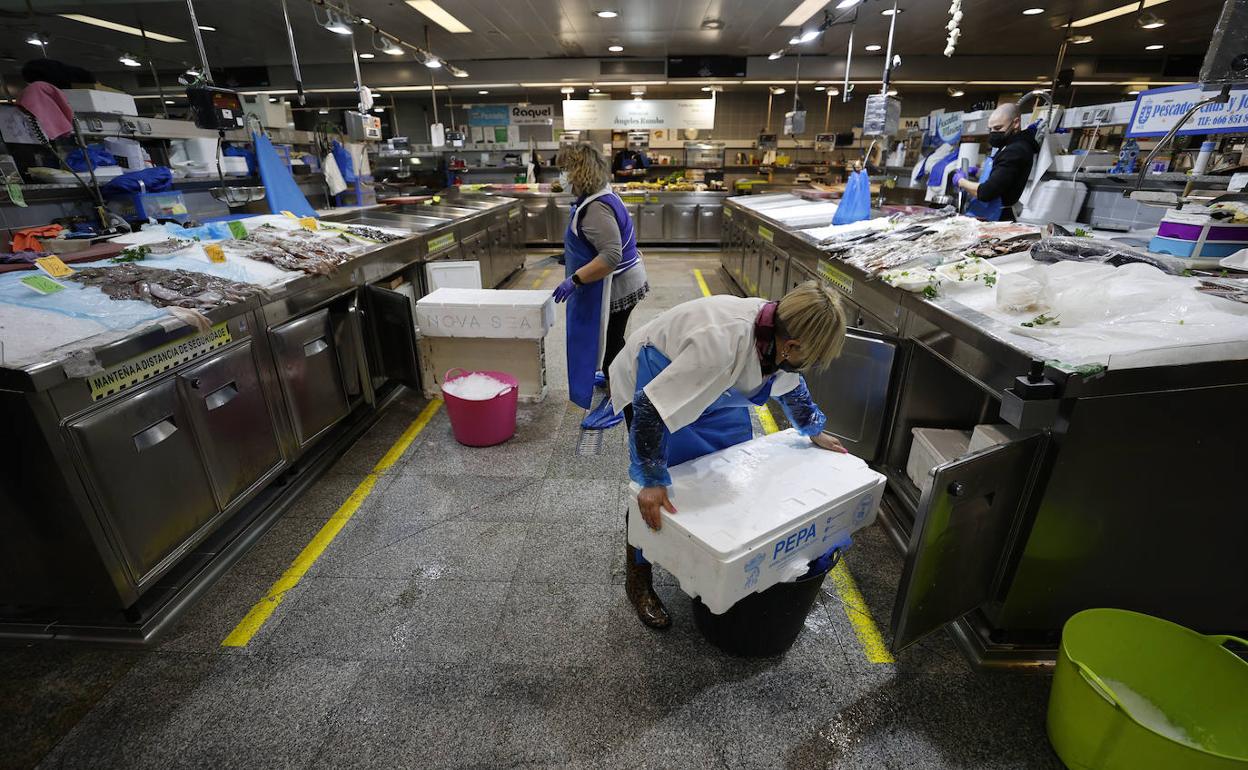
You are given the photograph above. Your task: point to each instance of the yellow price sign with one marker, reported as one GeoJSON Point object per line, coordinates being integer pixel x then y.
{"type": "Point", "coordinates": [53, 266]}
{"type": "Point", "coordinates": [308, 223]}
{"type": "Point", "coordinates": [215, 253]}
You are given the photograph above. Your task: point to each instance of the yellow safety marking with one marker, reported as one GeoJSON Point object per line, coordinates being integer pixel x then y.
{"type": "Point", "coordinates": [538, 281]}
{"type": "Point", "coordinates": [859, 615]}
{"type": "Point", "coordinates": [260, 612]}
{"type": "Point", "coordinates": [706, 290]}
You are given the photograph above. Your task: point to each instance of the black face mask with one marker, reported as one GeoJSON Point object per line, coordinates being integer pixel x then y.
{"type": "Point", "coordinates": [997, 139]}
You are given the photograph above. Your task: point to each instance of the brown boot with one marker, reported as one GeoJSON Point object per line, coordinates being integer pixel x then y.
{"type": "Point", "coordinates": [640, 589]}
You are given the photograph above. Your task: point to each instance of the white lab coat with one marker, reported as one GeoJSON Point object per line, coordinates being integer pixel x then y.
{"type": "Point", "coordinates": [710, 342]}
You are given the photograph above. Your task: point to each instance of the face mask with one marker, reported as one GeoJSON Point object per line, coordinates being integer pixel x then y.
{"type": "Point", "coordinates": [563, 180]}
{"type": "Point", "coordinates": [997, 139]}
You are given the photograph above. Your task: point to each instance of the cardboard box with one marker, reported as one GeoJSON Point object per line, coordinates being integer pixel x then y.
{"type": "Point", "coordinates": [523, 359]}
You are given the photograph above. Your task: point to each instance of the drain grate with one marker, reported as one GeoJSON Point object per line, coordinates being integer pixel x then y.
{"type": "Point", "coordinates": [590, 443]}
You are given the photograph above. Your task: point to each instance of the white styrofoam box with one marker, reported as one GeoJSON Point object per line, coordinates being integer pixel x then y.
{"type": "Point", "coordinates": [986, 435]}
{"type": "Point", "coordinates": [109, 102]}
{"type": "Point", "coordinates": [932, 447]}
{"type": "Point", "coordinates": [489, 313]}
{"type": "Point", "coordinates": [446, 274]}
{"type": "Point", "coordinates": [1056, 200]}
{"type": "Point", "coordinates": [752, 514]}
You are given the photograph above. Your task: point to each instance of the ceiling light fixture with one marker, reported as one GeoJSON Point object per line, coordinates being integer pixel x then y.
{"type": "Point", "coordinates": [429, 60]}
{"type": "Point", "coordinates": [891, 11]}
{"type": "Point", "coordinates": [873, 47]}
{"type": "Point", "coordinates": [170, 101]}
{"type": "Point", "coordinates": [483, 91]}
{"type": "Point", "coordinates": [802, 13]}
{"type": "Point", "coordinates": [272, 100]}
{"type": "Point", "coordinates": [1033, 11]}
{"type": "Point", "coordinates": [114, 26]}
{"type": "Point", "coordinates": [1149, 21]}
{"type": "Point", "coordinates": [367, 55]}
{"type": "Point", "coordinates": [955, 92]}
{"type": "Point", "coordinates": [712, 24]}
{"type": "Point", "coordinates": [38, 39]}
{"type": "Point", "coordinates": [1154, 47]}
{"type": "Point", "coordinates": [456, 71]}
{"type": "Point", "coordinates": [847, 4]}
{"type": "Point", "coordinates": [322, 111]}
{"type": "Point", "coordinates": [438, 15]}
{"type": "Point", "coordinates": [892, 92]}
{"type": "Point", "coordinates": [379, 109]}
{"type": "Point", "coordinates": [776, 90]}
{"type": "Point", "coordinates": [335, 23]}
{"type": "Point", "coordinates": [567, 90]}
{"type": "Point", "coordinates": [595, 90]}
{"type": "Point", "coordinates": [1080, 39]}
{"type": "Point", "coordinates": [207, 28]}
{"type": "Point", "coordinates": [391, 46]}
{"type": "Point", "coordinates": [129, 60]}
{"type": "Point", "coordinates": [776, 55]}
{"type": "Point", "coordinates": [365, 20]}
{"type": "Point", "coordinates": [615, 48]}
{"type": "Point", "coordinates": [1113, 13]}
{"type": "Point", "coordinates": [821, 88]}
{"type": "Point", "coordinates": [1133, 93]}
{"type": "Point", "coordinates": [607, 14]}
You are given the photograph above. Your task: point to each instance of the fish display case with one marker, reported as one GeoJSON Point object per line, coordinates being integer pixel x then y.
{"type": "Point", "coordinates": [144, 461]}
{"type": "Point", "coordinates": [659, 216]}
{"type": "Point", "coordinates": [1099, 484]}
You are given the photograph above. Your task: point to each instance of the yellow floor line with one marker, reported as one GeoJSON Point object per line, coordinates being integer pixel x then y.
{"type": "Point", "coordinates": [706, 290]}
{"type": "Point", "coordinates": [538, 281]}
{"type": "Point", "coordinates": [256, 617]}
{"type": "Point", "coordinates": [859, 615]}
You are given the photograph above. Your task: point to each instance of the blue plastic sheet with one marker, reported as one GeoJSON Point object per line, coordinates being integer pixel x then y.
{"type": "Point", "coordinates": [99, 157]}
{"type": "Point", "coordinates": [213, 231]}
{"type": "Point", "coordinates": [78, 301]}
{"type": "Point", "coordinates": [343, 158]}
{"type": "Point", "coordinates": [855, 204]}
{"type": "Point", "coordinates": [281, 191]}
{"type": "Point", "coordinates": [155, 179]}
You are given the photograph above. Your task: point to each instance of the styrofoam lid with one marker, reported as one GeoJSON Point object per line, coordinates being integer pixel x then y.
{"type": "Point", "coordinates": [485, 298]}
{"type": "Point", "coordinates": [734, 499]}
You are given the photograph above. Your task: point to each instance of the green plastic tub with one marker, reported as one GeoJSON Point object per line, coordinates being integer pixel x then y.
{"type": "Point", "coordinates": [1132, 692]}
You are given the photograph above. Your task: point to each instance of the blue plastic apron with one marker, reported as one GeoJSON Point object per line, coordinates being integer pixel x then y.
{"type": "Point", "coordinates": [590, 305]}
{"type": "Point", "coordinates": [987, 211]}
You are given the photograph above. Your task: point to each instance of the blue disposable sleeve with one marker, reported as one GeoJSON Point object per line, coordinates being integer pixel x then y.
{"type": "Point", "coordinates": [648, 444]}
{"type": "Point", "coordinates": [802, 412]}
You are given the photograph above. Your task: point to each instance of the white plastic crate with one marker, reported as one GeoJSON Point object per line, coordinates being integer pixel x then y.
{"type": "Point", "coordinates": [445, 274]}
{"type": "Point", "coordinates": [932, 447]}
{"type": "Point", "coordinates": [91, 100]}
{"type": "Point", "coordinates": [485, 313]}
{"type": "Point", "coordinates": [754, 514]}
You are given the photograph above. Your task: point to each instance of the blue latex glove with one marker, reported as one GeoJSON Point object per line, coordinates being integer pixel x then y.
{"type": "Point", "coordinates": [564, 290]}
{"type": "Point", "coordinates": [958, 176]}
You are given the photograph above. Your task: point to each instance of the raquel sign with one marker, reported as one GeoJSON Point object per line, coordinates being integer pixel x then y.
{"type": "Point", "coordinates": [588, 115]}
{"type": "Point", "coordinates": [1158, 109]}
{"type": "Point", "coordinates": [532, 114]}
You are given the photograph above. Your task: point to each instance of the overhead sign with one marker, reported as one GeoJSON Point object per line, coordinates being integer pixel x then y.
{"type": "Point", "coordinates": [588, 115]}
{"type": "Point", "coordinates": [488, 115]}
{"type": "Point", "coordinates": [1157, 110]}
{"type": "Point", "coordinates": [532, 114]}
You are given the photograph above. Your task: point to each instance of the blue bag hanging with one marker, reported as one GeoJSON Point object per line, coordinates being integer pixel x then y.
{"type": "Point", "coordinates": [281, 191]}
{"type": "Point", "coordinates": [863, 201]}
{"type": "Point", "coordinates": [855, 204]}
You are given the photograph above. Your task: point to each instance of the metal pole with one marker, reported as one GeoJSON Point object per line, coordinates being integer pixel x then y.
{"type": "Point", "coordinates": [797, 74]}
{"type": "Point", "coordinates": [770, 96]}
{"type": "Point", "coordinates": [1061, 57]}
{"type": "Point", "coordinates": [888, 56]}
{"type": "Point", "coordinates": [199, 41]}
{"type": "Point", "coordinates": [827, 113]}
{"type": "Point", "coordinates": [294, 55]}
{"type": "Point", "coordinates": [849, 61]}
{"type": "Point", "coordinates": [147, 54]}
{"type": "Point", "coordinates": [359, 79]}
{"type": "Point", "coordinates": [433, 91]}
{"type": "Point", "coordinates": [394, 115]}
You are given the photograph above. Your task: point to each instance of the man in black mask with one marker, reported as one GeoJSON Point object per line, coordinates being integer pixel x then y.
{"type": "Point", "coordinates": [1010, 168]}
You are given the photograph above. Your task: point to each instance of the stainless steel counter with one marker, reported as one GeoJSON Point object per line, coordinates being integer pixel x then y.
{"type": "Point", "coordinates": [138, 470]}
{"type": "Point", "coordinates": [659, 217]}
{"type": "Point", "coordinates": [1118, 473]}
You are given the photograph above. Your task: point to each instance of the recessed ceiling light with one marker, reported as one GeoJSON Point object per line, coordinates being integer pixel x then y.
{"type": "Point", "coordinates": [207, 28]}
{"type": "Point", "coordinates": [367, 55]}
{"type": "Point", "coordinates": [1133, 93]}
{"type": "Point", "coordinates": [170, 101]}
{"type": "Point", "coordinates": [1154, 47]}
{"type": "Point", "coordinates": [874, 47]}
{"type": "Point", "coordinates": [129, 60]}
{"type": "Point", "coordinates": [1114, 13]}
{"type": "Point", "coordinates": [336, 24]}
{"type": "Point", "coordinates": [615, 48]}
{"type": "Point", "coordinates": [37, 39]}
{"type": "Point", "coordinates": [777, 91]}
{"type": "Point", "coordinates": [1033, 11]}
{"type": "Point", "coordinates": [847, 4]}
{"type": "Point", "coordinates": [891, 11]}
{"type": "Point", "coordinates": [1149, 21]}
{"type": "Point", "coordinates": [483, 92]}
{"type": "Point", "coordinates": [712, 24]}
{"type": "Point", "coordinates": [1080, 39]}
{"type": "Point", "coordinates": [438, 15]}
{"type": "Point", "coordinates": [114, 26]}
{"type": "Point", "coordinates": [607, 14]}
{"type": "Point", "coordinates": [567, 90]}
{"type": "Point", "coordinates": [776, 55]}
{"type": "Point", "coordinates": [892, 92]}
{"type": "Point", "coordinates": [272, 100]}
{"type": "Point", "coordinates": [821, 88]}
{"type": "Point", "coordinates": [379, 109]}
{"type": "Point", "coordinates": [322, 111]}
{"type": "Point", "coordinates": [366, 20]}
{"type": "Point", "coordinates": [803, 12]}
{"type": "Point", "coordinates": [956, 92]}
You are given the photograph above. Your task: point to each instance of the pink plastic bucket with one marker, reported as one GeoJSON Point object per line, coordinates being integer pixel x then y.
{"type": "Point", "coordinates": [482, 423]}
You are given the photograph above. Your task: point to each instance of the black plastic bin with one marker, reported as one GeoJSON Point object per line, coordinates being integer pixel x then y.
{"type": "Point", "coordinates": [764, 624]}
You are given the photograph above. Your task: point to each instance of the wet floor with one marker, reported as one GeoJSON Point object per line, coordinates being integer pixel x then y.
{"type": "Point", "coordinates": [471, 613]}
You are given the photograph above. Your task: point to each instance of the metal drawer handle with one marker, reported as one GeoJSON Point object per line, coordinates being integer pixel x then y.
{"type": "Point", "coordinates": [315, 346]}
{"type": "Point", "coordinates": [146, 439]}
{"type": "Point", "coordinates": [221, 396]}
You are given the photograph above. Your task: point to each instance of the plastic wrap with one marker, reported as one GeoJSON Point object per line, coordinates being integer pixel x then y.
{"type": "Point", "coordinates": [1074, 249]}
{"type": "Point", "coordinates": [801, 411]}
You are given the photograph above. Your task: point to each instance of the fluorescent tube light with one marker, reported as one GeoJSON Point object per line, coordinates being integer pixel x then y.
{"type": "Point", "coordinates": [438, 15]}
{"type": "Point", "coordinates": [802, 13]}
{"type": "Point", "coordinates": [114, 26]}
{"type": "Point", "coordinates": [1114, 13]}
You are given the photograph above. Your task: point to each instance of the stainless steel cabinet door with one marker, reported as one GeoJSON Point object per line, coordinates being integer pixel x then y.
{"type": "Point", "coordinates": [560, 213]}
{"type": "Point", "coordinates": [775, 285]}
{"type": "Point", "coordinates": [651, 226]}
{"type": "Point", "coordinates": [854, 391]}
{"type": "Point", "coordinates": [517, 242]}
{"type": "Point", "coordinates": [710, 222]}
{"type": "Point", "coordinates": [308, 369]}
{"type": "Point", "coordinates": [536, 225]}
{"type": "Point", "coordinates": [961, 548]}
{"type": "Point", "coordinates": [232, 423]}
{"type": "Point", "coordinates": [148, 480]}
{"type": "Point", "coordinates": [681, 221]}
{"type": "Point", "coordinates": [751, 264]}
{"type": "Point", "coordinates": [392, 336]}
{"type": "Point", "coordinates": [477, 249]}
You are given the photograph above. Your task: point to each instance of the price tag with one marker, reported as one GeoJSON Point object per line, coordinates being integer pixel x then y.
{"type": "Point", "coordinates": [16, 195]}
{"type": "Point", "coordinates": [238, 229]}
{"type": "Point", "coordinates": [42, 284]}
{"type": "Point", "coordinates": [53, 266]}
{"type": "Point", "coordinates": [308, 223]}
{"type": "Point", "coordinates": [215, 253]}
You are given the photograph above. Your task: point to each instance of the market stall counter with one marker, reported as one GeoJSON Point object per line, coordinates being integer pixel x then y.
{"type": "Point", "coordinates": [1056, 423]}
{"type": "Point", "coordinates": [165, 405]}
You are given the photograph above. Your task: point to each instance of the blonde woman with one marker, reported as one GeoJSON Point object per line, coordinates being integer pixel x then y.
{"type": "Point", "coordinates": [605, 277]}
{"type": "Point", "coordinates": [685, 382]}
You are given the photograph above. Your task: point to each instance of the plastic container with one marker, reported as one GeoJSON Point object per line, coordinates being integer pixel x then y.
{"type": "Point", "coordinates": [986, 435]}
{"type": "Point", "coordinates": [932, 447]}
{"type": "Point", "coordinates": [1133, 692]}
{"type": "Point", "coordinates": [756, 514]}
{"type": "Point", "coordinates": [92, 100]}
{"type": "Point", "coordinates": [1056, 200]}
{"type": "Point", "coordinates": [489, 313]}
{"type": "Point", "coordinates": [765, 624]}
{"type": "Point", "coordinates": [446, 274]}
{"type": "Point", "coordinates": [482, 423]}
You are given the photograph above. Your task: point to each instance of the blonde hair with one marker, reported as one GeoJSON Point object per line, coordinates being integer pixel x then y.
{"type": "Point", "coordinates": [587, 171]}
{"type": "Point", "coordinates": [812, 315]}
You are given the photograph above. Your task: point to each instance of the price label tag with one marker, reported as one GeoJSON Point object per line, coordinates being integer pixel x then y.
{"type": "Point", "coordinates": [238, 229]}
{"type": "Point", "coordinates": [16, 194]}
{"type": "Point", "coordinates": [53, 266]}
{"type": "Point", "coordinates": [215, 253]}
{"type": "Point", "coordinates": [308, 223]}
{"type": "Point", "coordinates": [42, 284]}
